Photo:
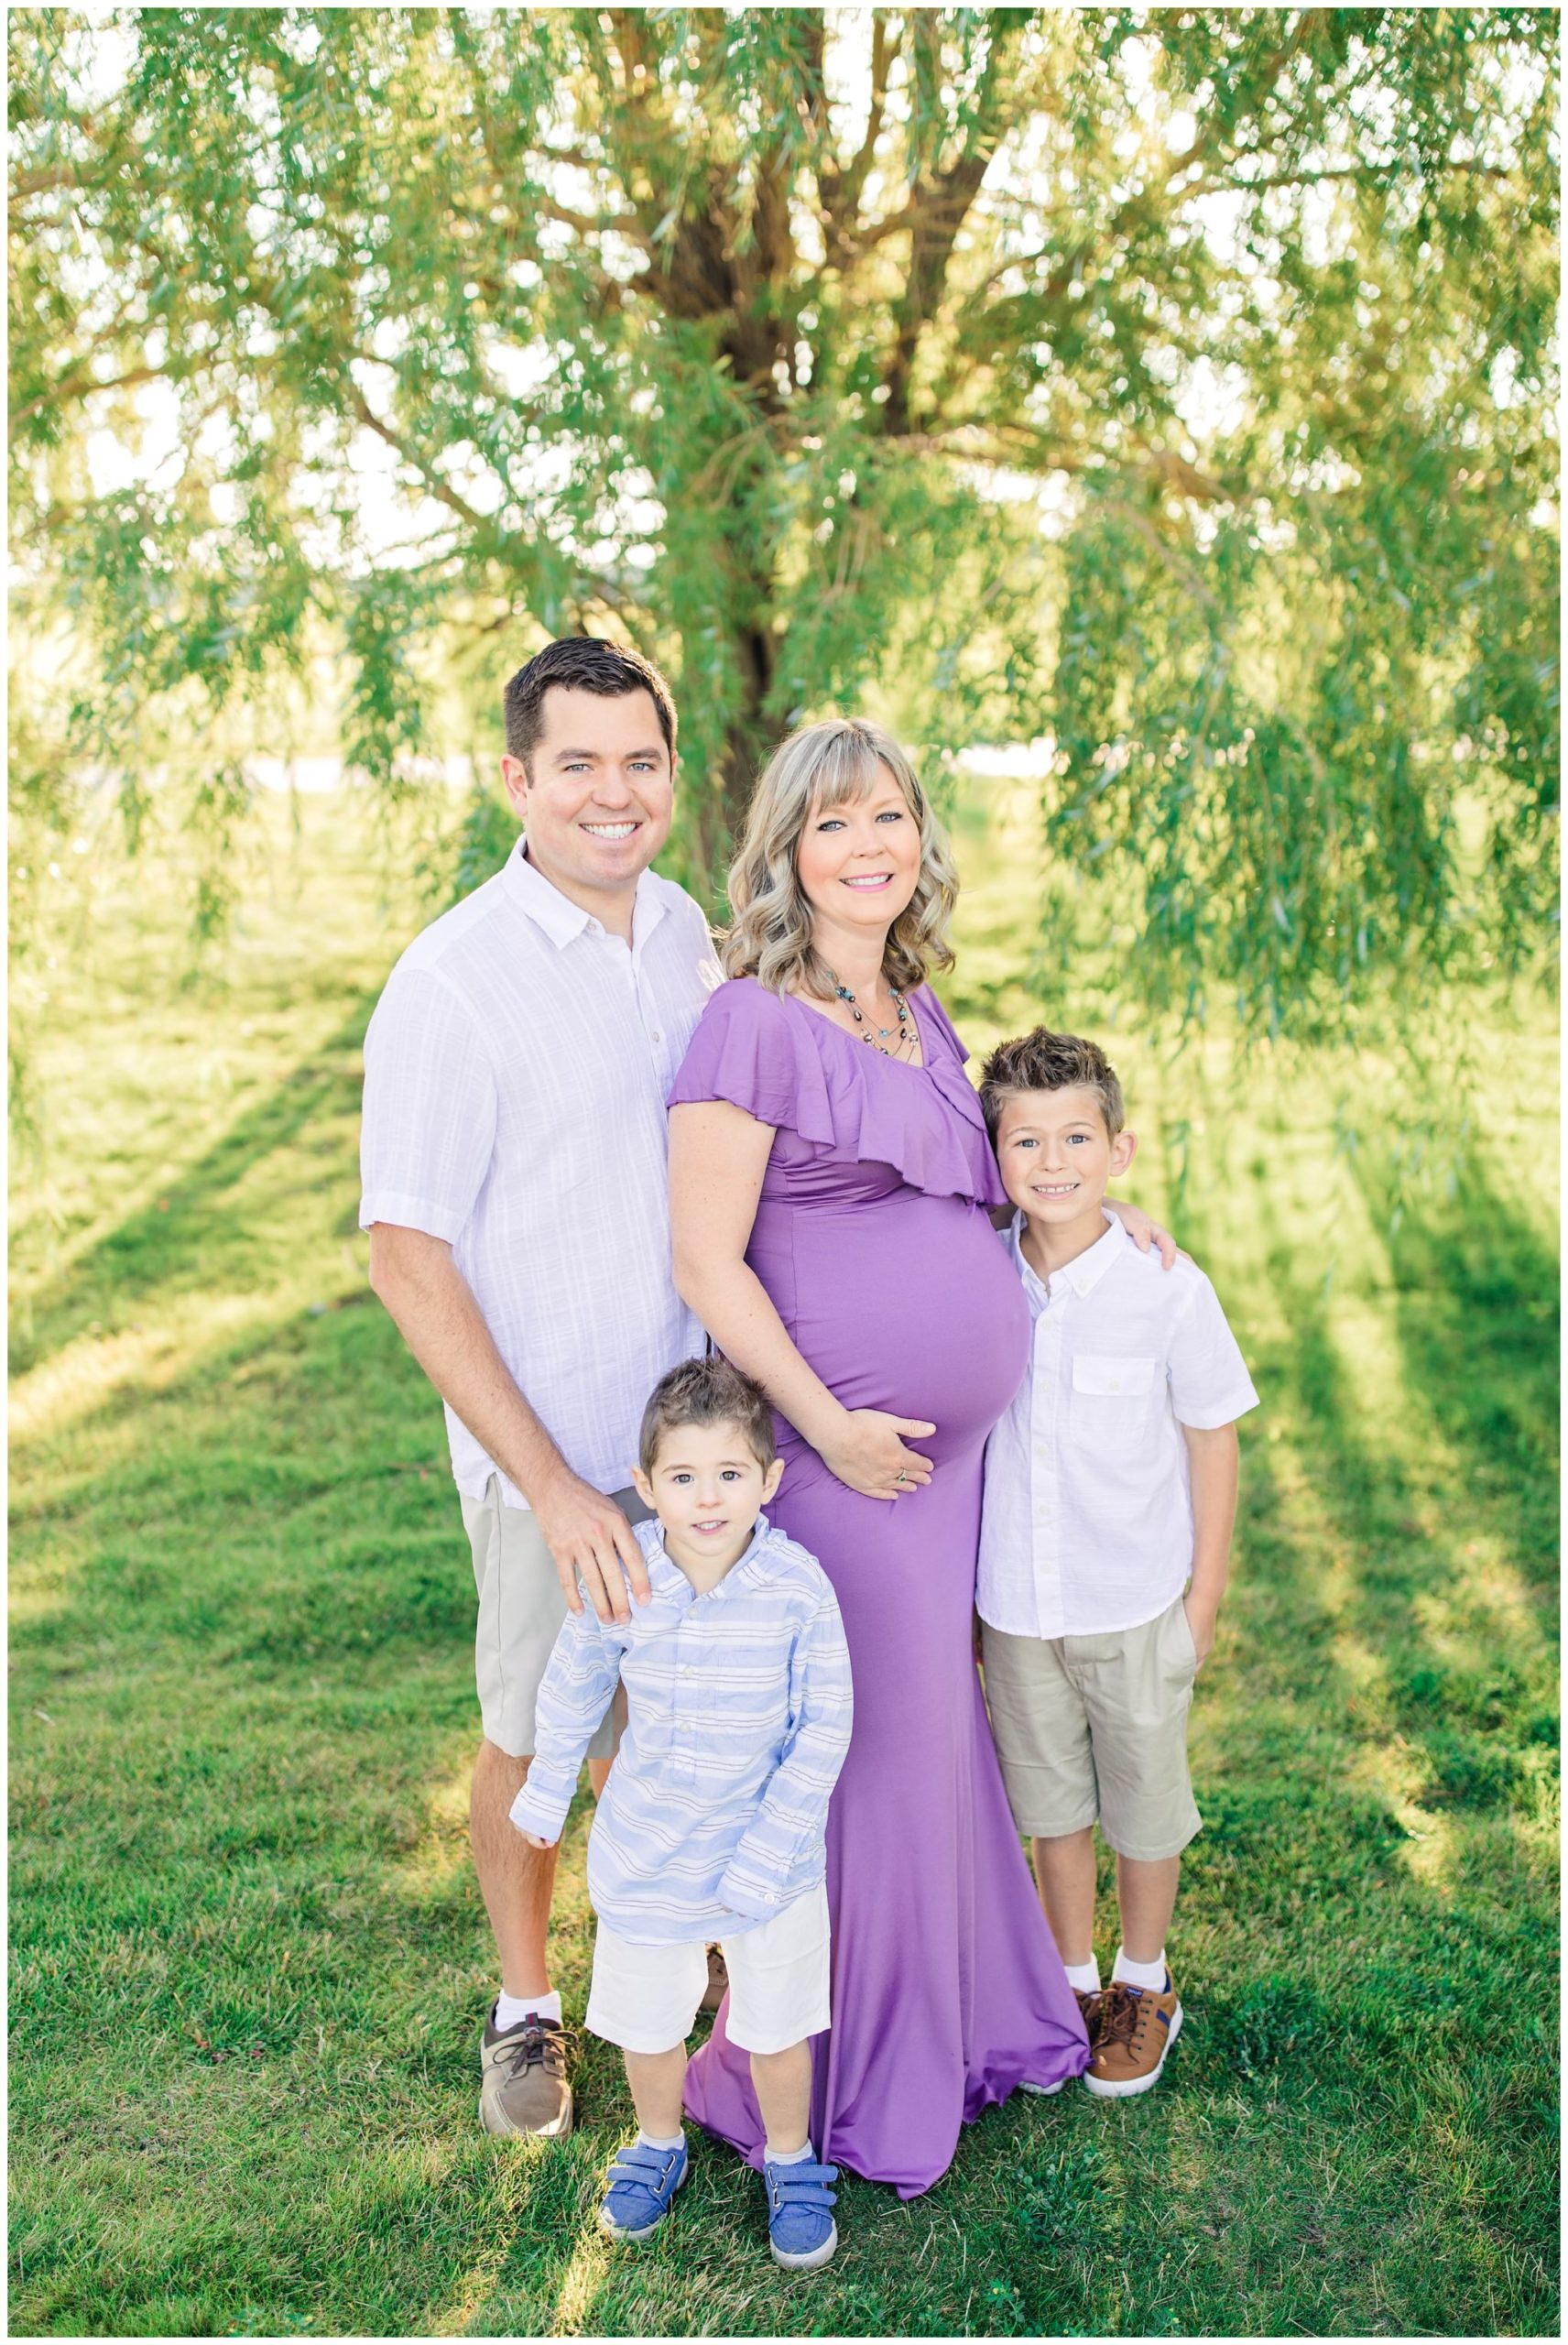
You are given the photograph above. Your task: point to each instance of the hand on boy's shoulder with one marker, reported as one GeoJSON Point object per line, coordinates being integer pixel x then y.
{"type": "Point", "coordinates": [1183, 1274]}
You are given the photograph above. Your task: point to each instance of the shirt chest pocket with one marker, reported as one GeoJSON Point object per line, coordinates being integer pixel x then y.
{"type": "Point", "coordinates": [1113, 1400]}
{"type": "Point", "coordinates": [749, 1693]}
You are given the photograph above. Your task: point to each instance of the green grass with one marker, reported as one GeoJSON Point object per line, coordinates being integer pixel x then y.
{"type": "Point", "coordinates": [249, 1960]}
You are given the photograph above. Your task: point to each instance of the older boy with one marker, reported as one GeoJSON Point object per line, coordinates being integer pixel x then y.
{"type": "Point", "coordinates": [1110, 1488]}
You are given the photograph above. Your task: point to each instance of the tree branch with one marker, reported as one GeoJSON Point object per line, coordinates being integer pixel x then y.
{"type": "Point", "coordinates": [1185, 572]}
{"type": "Point", "coordinates": [940, 211]}
{"type": "Point", "coordinates": [881, 57]}
{"type": "Point", "coordinates": [76, 386]}
{"type": "Point", "coordinates": [841, 189]}
{"type": "Point", "coordinates": [1367, 172]}
{"type": "Point", "coordinates": [44, 181]}
{"type": "Point", "coordinates": [621, 223]}
{"type": "Point", "coordinates": [436, 484]}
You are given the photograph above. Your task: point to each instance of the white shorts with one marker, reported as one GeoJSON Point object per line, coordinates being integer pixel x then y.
{"type": "Point", "coordinates": [645, 1998]}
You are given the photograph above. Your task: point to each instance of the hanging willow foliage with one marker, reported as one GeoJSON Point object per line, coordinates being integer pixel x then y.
{"type": "Point", "coordinates": [1174, 383]}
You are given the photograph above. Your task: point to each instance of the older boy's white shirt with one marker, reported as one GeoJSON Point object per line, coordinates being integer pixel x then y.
{"type": "Point", "coordinates": [1087, 1524]}
{"type": "Point", "coordinates": [515, 1072]}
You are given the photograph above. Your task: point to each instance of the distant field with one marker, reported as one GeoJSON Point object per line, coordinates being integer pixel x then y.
{"type": "Point", "coordinates": [249, 1960]}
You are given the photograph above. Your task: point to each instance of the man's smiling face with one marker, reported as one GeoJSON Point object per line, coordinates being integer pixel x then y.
{"type": "Point", "coordinates": [598, 792]}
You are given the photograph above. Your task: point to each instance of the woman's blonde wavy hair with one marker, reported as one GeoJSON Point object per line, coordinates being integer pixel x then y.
{"type": "Point", "coordinates": [769, 937]}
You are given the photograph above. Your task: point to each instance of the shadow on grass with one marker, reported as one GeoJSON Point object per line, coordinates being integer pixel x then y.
{"type": "Point", "coordinates": [171, 1242]}
{"type": "Point", "coordinates": [1371, 1568]}
{"type": "Point", "coordinates": [244, 1714]}
{"type": "Point", "coordinates": [1478, 1316]}
{"type": "Point", "coordinates": [313, 1451]}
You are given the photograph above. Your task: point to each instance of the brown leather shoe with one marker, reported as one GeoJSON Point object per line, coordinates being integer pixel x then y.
{"type": "Point", "coordinates": [1137, 2028]}
{"type": "Point", "coordinates": [718, 1984]}
{"type": "Point", "coordinates": [1089, 2012]}
{"type": "Point", "coordinates": [523, 2086]}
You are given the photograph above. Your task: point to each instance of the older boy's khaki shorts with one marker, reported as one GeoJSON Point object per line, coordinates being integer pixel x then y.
{"type": "Point", "coordinates": [1096, 1728]}
{"type": "Point", "coordinates": [521, 1609]}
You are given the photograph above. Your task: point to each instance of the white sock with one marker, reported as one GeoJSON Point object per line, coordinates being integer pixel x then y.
{"type": "Point", "coordinates": [1139, 1974]}
{"type": "Point", "coordinates": [646, 2141]}
{"type": "Point", "coordinates": [512, 2010]}
{"type": "Point", "coordinates": [785, 2158]}
{"type": "Point", "coordinates": [1083, 1978]}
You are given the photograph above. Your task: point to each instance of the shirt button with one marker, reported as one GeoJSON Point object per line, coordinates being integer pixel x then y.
{"type": "Point", "coordinates": [658, 1036]}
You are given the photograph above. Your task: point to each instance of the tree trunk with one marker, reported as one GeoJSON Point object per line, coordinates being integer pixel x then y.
{"type": "Point", "coordinates": [720, 810]}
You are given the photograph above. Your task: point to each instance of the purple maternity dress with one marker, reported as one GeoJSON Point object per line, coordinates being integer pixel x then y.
{"type": "Point", "coordinates": [873, 1240]}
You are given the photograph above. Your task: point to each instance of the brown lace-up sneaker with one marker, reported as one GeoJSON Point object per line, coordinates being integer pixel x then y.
{"type": "Point", "coordinates": [718, 1984]}
{"type": "Point", "coordinates": [1136, 2029]}
{"type": "Point", "coordinates": [1089, 2012]}
{"type": "Point", "coordinates": [523, 2086]}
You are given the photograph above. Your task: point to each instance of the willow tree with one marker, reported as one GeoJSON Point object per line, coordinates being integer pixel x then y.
{"type": "Point", "coordinates": [1174, 383]}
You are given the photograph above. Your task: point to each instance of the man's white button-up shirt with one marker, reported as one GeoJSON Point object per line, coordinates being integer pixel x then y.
{"type": "Point", "coordinates": [515, 1072]}
{"type": "Point", "coordinates": [1087, 1526]}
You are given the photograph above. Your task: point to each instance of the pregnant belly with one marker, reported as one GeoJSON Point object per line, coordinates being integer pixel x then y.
{"type": "Point", "coordinates": [910, 1306]}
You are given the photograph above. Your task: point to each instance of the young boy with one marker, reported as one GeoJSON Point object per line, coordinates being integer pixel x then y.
{"type": "Point", "coordinates": [1110, 1487]}
{"type": "Point", "coordinates": [711, 1824]}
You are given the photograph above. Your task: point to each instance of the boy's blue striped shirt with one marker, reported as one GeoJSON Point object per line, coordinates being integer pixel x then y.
{"type": "Point", "coordinates": [739, 1708]}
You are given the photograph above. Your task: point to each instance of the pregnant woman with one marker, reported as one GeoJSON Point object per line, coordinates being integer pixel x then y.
{"type": "Point", "coordinates": [830, 1177]}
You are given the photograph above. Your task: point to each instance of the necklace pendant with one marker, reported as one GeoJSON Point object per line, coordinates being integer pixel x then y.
{"type": "Point", "coordinates": [877, 1036]}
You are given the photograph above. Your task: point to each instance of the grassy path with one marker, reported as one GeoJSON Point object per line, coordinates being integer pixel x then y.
{"type": "Point", "coordinates": [248, 1959]}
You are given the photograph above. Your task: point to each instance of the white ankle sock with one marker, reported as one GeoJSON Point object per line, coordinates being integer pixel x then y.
{"type": "Point", "coordinates": [646, 2141]}
{"type": "Point", "coordinates": [512, 2010]}
{"type": "Point", "coordinates": [785, 2158]}
{"type": "Point", "coordinates": [1083, 1978]}
{"type": "Point", "coordinates": [1139, 1974]}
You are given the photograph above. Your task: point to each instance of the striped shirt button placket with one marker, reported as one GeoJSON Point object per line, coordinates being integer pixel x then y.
{"type": "Point", "coordinates": [715, 1809]}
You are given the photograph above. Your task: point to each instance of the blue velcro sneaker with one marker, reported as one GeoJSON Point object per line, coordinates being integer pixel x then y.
{"type": "Point", "coordinates": [800, 2228]}
{"type": "Point", "coordinates": [642, 2184]}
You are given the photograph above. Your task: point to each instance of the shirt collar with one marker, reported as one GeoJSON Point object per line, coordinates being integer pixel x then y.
{"type": "Point", "coordinates": [1085, 1270]}
{"type": "Point", "coordinates": [562, 921]}
{"type": "Point", "coordinates": [668, 1579]}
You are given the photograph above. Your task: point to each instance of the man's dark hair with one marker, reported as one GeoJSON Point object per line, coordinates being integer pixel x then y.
{"type": "Point", "coordinates": [581, 663]}
{"type": "Point", "coordinates": [1046, 1062]}
{"type": "Point", "coordinates": [707, 1393]}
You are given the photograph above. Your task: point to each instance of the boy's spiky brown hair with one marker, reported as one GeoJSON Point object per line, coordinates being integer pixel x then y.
{"type": "Point", "coordinates": [1042, 1060]}
{"type": "Point", "coordinates": [707, 1393]}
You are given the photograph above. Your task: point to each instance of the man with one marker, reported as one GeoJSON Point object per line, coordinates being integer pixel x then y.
{"type": "Point", "coordinates": [514, 1170]}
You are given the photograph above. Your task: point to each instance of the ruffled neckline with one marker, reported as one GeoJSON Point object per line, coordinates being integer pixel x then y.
{"type": "Point", "coordinates": [922, 1066]}
{"type": "Point", "coordinates": [879, 1108]}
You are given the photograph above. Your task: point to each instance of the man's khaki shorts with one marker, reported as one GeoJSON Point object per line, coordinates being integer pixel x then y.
{"type": "Point", "coordinates": [1096, 1728]}
{"type": "Point", "coordinates": [521, 1609]}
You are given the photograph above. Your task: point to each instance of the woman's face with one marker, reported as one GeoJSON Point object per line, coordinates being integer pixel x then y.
{"type": "Point", "coordinates": [859, 863]}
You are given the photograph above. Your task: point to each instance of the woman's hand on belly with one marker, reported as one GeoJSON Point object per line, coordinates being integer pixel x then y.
{"type": "Point", "coordinates": [865, 1448]}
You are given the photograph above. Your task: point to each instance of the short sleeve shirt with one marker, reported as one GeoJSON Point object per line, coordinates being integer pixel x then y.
{"type": "Point", "coordinates": [1087, 1523]}
{"type": "Point", "coordinates": [515, 1076]}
